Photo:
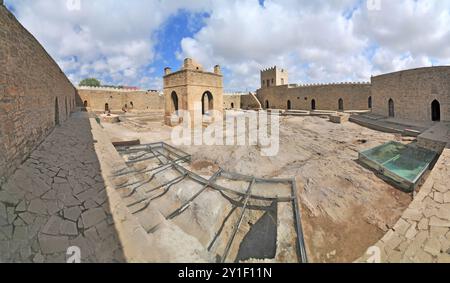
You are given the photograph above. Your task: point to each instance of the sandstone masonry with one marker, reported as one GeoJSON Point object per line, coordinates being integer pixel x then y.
{"type": "Point", "coordinates": [35, 95]}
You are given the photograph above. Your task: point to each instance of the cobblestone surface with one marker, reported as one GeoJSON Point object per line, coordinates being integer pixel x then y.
{"type": "Point", "coordinates": [422, 235]}
{"type": "Point", "coordinates": [57, 199]}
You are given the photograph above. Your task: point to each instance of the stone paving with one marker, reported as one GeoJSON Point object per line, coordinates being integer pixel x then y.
{"type": "Point", "coordinates": [58, 199]}
{"type": "Point", "coordinates": [422, 235]}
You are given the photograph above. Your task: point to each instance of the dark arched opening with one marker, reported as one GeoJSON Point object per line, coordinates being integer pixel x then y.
{"type": "Point", "coordinates": [341, 104]}
{"type": "Point", "coordinates": [391, 108]}
{"type": "Point", "coordinates": [207, 102]}
{"type": "Point", "coordinates": [436, 111]}
{"type": "Point", "coordinates": [85, 103]}
{"type": "Point", "coordinates": [106, 107]}
{"type": "Point", "coordinates": [370, 102]}
{"type": "Point", "coordinates": [289, 105]}
{"type": "Point", "coordinates": [267, 104]}
{"type": "Point", "coordinates": [175, 101]}
{"type": "Point", "coordinates": [313, 104]}
{"type": "Point", "coordinates": [56, 111]}
{"type": "Point", "coordinates": [131, 104]}
{"type": "Point", "coordinates": [232, 105]}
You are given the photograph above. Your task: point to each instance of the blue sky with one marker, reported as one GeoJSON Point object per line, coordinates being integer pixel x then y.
{"type": "Point", "coordinates": [130, 42]}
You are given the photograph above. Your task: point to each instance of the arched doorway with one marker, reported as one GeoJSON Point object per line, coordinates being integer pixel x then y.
{"type": "Point", "coordinates": [289, 105]}
{"type": "Point", "coordinates": [267, 104]}
{"type": "Point", "coordinates": [435, 111]}
{"type": "Point", "coordinates": [341, 104]}
{"type": "Point", "coordinates": [313, 104]}
{"type": "Point", "coordinates": [175, 101]}
{"type": "Point", "coordinates": [85, 103]}
{"type": "Point", "coordinates": [131, 104]}
{"type": "Point", "coordinates": [391, 108]}
{"type": "Point", "coordinates": [370, 102]}
{"type": "Point", "coordinates": [207, 102]}
{"type": "Point", "coordinates": [106, 107]}
{"type": "Point", "coordinates": [56, 112]}
{"type": "Point", "coordinates": [232, 105]}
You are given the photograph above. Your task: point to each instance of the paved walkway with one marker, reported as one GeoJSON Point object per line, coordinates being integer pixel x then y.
{"type": "Point", "coordinates": [57, 199]}
{"type": "Point", "coordinates": [422, 234]}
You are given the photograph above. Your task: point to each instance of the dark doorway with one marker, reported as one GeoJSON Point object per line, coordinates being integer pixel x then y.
{"type": "Point", "coordinates": [175, 101]}
{"type": "Point", "coordinates": [207, 103]}
{"type": "Point", "coordinates": [56, 112]}
{"type": "Point", "coordinates": [436, 111]}
{"type": "Point", "coordinates": [85, 103]}
{"type": "Point", "coordinates": [289, 105]}
{"type": "Point", "coordinates": [313, 104]}
{"type": "Point", "coordinates": [106, 107]}
{"type": "Point", "coordinates": [341, 104]}
{"type": "Point", "coordinates": [267, 104]}
{"type": "Point", "coordinates": [391, 108]}
{"type": "Point", "coordinates": [232, 105]}
{"type": "Point", "coordinates": [131, 104]}
{"type": "Point", "coordinates": [370, 102]}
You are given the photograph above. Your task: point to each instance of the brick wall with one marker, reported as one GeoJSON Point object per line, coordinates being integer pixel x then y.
{"type": "Point", "coordinates": [355, 96]}
{"type": "Point", "coordinates": [34, 92]}
{"type": "Point", "coordinates": [412, 92]}
{"type": "Point", "coordinates": [117, 99]}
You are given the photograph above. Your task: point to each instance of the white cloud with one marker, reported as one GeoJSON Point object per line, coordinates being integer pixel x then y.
{"type": "Point", "coordinates": [317, 41]}
{"type": "Point", "coordinates": [321, 41]}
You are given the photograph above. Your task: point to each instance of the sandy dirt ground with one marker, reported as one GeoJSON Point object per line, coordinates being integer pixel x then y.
{"type": "Point", "coordinates": [345, 207]}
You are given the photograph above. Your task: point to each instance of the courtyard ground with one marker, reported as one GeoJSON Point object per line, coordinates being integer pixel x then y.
{"type": "Point", "coordinates": [345, 207]}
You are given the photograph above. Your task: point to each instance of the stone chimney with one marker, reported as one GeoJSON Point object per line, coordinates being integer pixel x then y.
{"type": "Point", "coordinates": [167, 71]}
{"type": "Point", "coordinates": [217, 70]}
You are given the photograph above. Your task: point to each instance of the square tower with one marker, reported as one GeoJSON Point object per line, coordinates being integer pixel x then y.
{"type": "Point", "coordinates": [192, 86]}
{"type": "Point", "coordinates": [274, 77]}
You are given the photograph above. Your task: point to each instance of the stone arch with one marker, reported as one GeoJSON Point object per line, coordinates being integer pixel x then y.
{"type": "Point", "coordinates": [289, 105]}
{"type": "Point", "coordinates": [56, 112]}
{"type": "Point", "coordinates": [207, 105]}
{"type": "Point", "coordinates": [391, 107]}
{"type": "Point", "coordinates": [369, 102]}
{"type": "Point", "coordinates": [174, 98]}
{"type": "Point", "coordinates": [313, 104]}
{"type": "Point", "coordinates": [435, 111]}
{"type": "Point", "coordinates": [341, 104]}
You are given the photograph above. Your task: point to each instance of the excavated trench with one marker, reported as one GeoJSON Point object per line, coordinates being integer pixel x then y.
{"type": "Point", "coordinates": [213, 215]}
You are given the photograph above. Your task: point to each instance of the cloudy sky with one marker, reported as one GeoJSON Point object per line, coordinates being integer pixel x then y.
{"type": "Point", "coordinates": [130, 42]}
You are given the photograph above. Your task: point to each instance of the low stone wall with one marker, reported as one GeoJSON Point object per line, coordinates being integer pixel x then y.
{"type": "Point", "coordinates": [353, 96]}
{"type": "Point", "coordinates": [97, 99]}
{"type": "Point", "coordinates": [35, 95]}
{"type": "Point", "coordinates": [231, 101]}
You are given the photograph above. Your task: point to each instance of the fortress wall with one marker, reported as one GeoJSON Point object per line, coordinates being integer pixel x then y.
{"type": "Point", "coordinates": [232, 101]}
{"type": "Point", "coordinates": [34, 94]}
{"type": "Point", "coordinates": [413, 91]}
{"type": "Point", "coordinates": [117, 99]}
{"type": "Point", "coordinates": [355, 96]}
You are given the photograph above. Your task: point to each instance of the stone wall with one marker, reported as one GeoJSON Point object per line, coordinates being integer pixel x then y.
{"type": "Point", "coordinates": [232, 101]}
{"type": "Point", "coordinates": [355, 96]}
{"type": "Point", "coordinates": [412, 93]}
{"type": "Point", "coordinates": [35, 95]}
{"type": "Point", "coordinates": [189, 85]}
{"type": "Point", "coordinates": [250, 101]}
{"type": "Point", "coordinates": [141, 100]}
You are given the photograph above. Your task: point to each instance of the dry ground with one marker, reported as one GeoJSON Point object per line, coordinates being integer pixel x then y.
{"type": "Point", "coordinates": [345, 207]}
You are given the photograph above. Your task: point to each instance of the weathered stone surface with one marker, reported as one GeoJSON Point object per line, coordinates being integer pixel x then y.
{"type": "Point", "coordinates": [53, 244]}
{"type": "Point", "coordinates": [433, 246]}
{"type": "Point", "coordinates": [68, 228]}
{"type": "Point", "coordinates": [423, 224]}
{"type": "Point", "coordinates": [72, 213]}
{"type": "Point", "coordinates": [435, 221]}
{"type": "Point", "coordinates": [412, 214]}
{"type": "Point", "coordinates": [93, 217]}
{"type": "Point", "coordinates": [37, 206]}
